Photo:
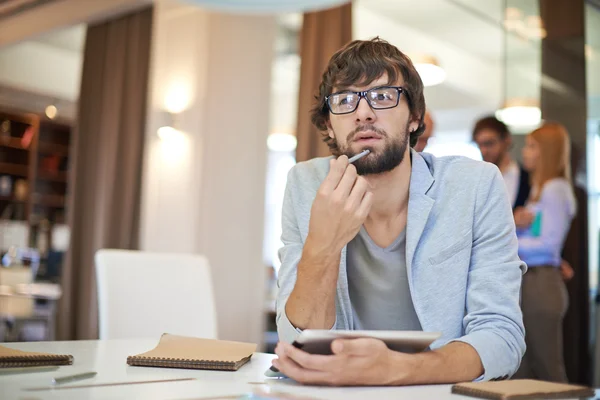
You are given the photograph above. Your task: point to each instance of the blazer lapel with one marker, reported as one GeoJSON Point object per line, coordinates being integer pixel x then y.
{"type": "Point", "coordinates": [419, 206]}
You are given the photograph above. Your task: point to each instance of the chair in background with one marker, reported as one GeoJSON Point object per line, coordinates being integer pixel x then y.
{"type": "Point", "coordinates": [142, 294]}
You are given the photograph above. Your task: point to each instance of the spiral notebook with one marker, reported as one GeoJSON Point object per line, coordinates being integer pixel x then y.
{"type": "Point", "coordinates": [11, 358]}
{"type": "Point", "coordinates": [521, 389]}
{"type": "Point", "coordinates": [175, 351]}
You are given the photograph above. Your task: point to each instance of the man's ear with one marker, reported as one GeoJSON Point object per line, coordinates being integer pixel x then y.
{"type": "Point", "coordinates": [413, 126]}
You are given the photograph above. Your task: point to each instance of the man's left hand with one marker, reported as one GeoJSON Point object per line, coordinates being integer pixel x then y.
{"type": "Point", "coordinates": [354, 362]}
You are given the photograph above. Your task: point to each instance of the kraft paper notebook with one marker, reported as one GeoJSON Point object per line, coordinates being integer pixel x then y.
{"type": "Point", "coordinates": [521, 389]}
{"type": "Point", "coordinates": [194, 353]}
{"type": "Point", "coordinates": [11, 358]}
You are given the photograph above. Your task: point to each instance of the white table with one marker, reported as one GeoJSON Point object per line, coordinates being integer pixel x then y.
{"type": "Point", "coordinates": [108, 358]}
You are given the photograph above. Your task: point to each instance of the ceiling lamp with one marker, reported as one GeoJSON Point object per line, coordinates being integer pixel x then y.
{"type": "Point", "coordinates": [520, 113]}
{"type": "Point", "coordinates": [267, 6]}
{"type": "Point", "coordinates": [429, 70]}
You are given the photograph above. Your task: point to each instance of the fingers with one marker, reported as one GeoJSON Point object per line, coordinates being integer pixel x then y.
{"type": "Point", "coordinates": [292, 370]}
{"type": "Point", "coordinates": [337, 168]}
{"type": "Point", "coordinates": [358, 192]}
{"type": "Point", "coordinates": [303, 359]}
{"type": "Point", "coordinates": [296, 364]}
{"type": "Point", "coordinates": [347, 182]}
{"type": "Point", "coordinates": [365, 205]}
{"type": "Point", "coordinates": [357, 347]}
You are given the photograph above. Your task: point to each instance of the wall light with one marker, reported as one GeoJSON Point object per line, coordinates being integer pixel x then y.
{"type": "Point", "coordinates": [178, 97]}
{"type": "Point", "coordinates": [429, 69]}
{"type": "Point", "coordinates": [281, 142]}
{"type": "Point", "coordinates": [168, 133]}
{"type": "Point", "coordinates": [520, 112]}
{"type": "Point", "coordinates": [168, 130]}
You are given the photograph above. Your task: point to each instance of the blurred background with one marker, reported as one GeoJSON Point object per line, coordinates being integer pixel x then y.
{"type": "Point", "coordinates": [170, 126]}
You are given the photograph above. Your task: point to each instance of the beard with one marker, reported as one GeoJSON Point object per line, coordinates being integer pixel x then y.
{"type": "Point", "coordinates": [377, 161]}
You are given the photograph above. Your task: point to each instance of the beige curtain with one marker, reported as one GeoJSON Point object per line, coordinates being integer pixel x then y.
{"type": "Point", "coordinates": [105, 180]}
{"type": "Point", "coordinates": [323, 33]}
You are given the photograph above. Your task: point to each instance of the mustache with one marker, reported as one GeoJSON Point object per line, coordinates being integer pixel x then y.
{"type": "Point", "coordinates": [364, 128]}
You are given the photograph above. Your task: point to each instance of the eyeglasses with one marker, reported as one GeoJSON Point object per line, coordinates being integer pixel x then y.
{"type": "Point", "coordinates": [379, 98]}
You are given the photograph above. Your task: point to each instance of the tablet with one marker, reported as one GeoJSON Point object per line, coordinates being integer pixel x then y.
{"type": "Point", "coordinates": [316, 341]}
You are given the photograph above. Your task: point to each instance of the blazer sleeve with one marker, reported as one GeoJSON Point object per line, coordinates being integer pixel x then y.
{"type": "Point", "coordinates": [493, 322]}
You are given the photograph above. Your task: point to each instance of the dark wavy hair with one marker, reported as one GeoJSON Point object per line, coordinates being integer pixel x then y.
{"type": "Point", "coordinates": [361, 62]}
{"type": "Point", "coordinates": [493, 124]}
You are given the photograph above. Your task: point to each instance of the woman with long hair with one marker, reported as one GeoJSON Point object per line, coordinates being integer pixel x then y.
{"type": "Point", "coordinates": [551, 206]}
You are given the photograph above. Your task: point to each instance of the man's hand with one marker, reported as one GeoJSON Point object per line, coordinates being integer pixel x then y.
{"type": "Point", "coordinates": [354, 362]}
{"type": "Point", "coordinates": [368, 362]}
{"type": "Point", "coordinates": [339, 209]}
{"type": "Point", "coordinates": [523, 217]}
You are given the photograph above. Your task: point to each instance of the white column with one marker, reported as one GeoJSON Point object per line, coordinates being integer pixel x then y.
{"type": "Point", "coordinates": [204, 193]}
{"type": "Point", "coordinates": [236, 120]}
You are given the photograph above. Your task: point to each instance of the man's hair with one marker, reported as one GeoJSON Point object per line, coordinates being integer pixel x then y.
{"type": "Point", "coordinates": [361, 62]}
{"type": "Point", "coordinates": [493, 124]}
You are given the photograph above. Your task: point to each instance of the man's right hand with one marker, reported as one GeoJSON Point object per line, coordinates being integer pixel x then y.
{"type": "Point", "coordinates": [340, 208]}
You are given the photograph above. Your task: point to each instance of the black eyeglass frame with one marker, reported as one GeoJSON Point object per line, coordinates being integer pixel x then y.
{"type": "Point", "coordinates": [401, 90]}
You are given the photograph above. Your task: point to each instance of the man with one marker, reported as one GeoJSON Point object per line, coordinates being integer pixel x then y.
{"type": "Point", "coordinates": [398, 240]}
{"type": "Point", "coordinates": [494, 141]}
{"type": "Point", "coordinates": [427, 133]}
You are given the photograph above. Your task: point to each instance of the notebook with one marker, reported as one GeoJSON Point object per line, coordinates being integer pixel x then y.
{"type": "Point", "coordinates": [521, 389]}
{"type": "Point", "coordinates": [175, 351]}
{"type": "Point", "coordinates": [11, 358]}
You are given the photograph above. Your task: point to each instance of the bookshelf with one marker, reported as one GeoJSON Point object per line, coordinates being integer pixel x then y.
{"type": "Point", "coordinates": [34, 163]}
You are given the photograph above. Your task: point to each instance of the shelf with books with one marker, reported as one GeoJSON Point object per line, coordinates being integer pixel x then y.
{"type": "Point", "coordinates": [14, 169]}
{"type": "Point", "coordinates": [13, 143]}
{"type": "Point", "coordinates": [53, 149]}
{"type": "Point", "coordinates": [54, 176]}
{"type": "Point", "coordinates": [49, 200]}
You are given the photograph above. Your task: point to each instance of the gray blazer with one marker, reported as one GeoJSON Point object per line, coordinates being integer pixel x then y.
{"type": "Point", "coordinates": [461, 256]}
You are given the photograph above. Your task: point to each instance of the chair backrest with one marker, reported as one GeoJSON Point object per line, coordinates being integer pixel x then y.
{"type": "Point", "coordinates": [142, 294]}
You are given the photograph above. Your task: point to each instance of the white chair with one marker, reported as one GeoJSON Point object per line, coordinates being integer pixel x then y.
{"type": "Point", "coordinates": [142, 294]}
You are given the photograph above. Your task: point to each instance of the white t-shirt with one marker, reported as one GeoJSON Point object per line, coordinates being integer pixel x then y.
{"type": "Point", "coordinates": [512, 176]}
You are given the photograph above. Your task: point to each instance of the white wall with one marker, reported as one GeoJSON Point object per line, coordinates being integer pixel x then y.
{"type": "Point", "coordinates": [41, 68]}
{"type": "Point", "coordinates": [205, 192]}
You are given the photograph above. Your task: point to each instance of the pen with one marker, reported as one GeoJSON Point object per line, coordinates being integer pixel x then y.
{"type": "Point", "coordinates": [358, 156]}
{"type": "Point", "coordinates": [71, 378]}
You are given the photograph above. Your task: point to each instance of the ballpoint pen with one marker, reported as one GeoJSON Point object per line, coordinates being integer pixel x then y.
{"type": "Point", "coordinates": [70, 378]}
{"type": "Point", "coordinates": [359, 155]}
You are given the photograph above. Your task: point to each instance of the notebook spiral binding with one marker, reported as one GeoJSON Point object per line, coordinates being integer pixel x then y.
{"type": "Point", "coordinates": [184, 363]}
{"type": "Point", "coordinates": [27, 361]}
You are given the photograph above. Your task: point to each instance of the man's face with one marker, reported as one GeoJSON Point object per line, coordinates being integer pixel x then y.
{"type": "Point", "coordinates": [493, 148]}
{"type": "Point", "coordinates": [384, 132]}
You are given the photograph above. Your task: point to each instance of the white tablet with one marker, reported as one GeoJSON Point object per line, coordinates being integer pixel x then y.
{"type": "Point", "coordinates": [316, 341]}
